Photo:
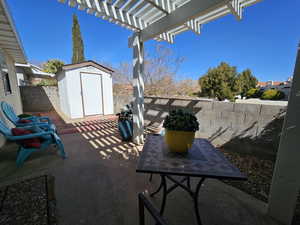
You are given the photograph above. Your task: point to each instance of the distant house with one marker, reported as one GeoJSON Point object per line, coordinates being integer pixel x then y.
{"type": "Point", "coordinates": [269, 83]}
{"type": "Point", "coordinates": [29, 74]}
{"type": "Point", "coordinates": [284, 86]}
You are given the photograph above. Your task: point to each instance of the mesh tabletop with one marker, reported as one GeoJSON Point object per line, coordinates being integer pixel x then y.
{"type": "Point", "coordinates": [202, 160]}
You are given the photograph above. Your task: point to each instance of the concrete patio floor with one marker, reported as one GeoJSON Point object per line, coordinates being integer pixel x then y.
{"type": "Point", "coordinates": [97, 184]}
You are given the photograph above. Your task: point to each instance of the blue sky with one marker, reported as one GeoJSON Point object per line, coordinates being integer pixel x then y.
{"type": "Point", "coordinates": [264, 41]}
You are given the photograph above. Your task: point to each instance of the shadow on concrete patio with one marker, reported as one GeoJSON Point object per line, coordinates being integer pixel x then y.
{"type": "Point", "coordinates": [103, 136]}
{"type": "Point", "coordinates": [97, 183]}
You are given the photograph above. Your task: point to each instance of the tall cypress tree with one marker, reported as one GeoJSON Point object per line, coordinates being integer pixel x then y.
{"type": "Point", "coordinates": [78, 48]}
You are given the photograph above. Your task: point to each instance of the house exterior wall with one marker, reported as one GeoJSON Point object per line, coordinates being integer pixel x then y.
{"type": "Point", "coordinates": [14, 98]}
{"type": "Point", "coordinates": [70, 91]}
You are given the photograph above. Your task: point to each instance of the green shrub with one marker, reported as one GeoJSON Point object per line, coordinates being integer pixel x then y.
{"type": "Point", "coordinates": [47, 82]}
{"type": "Point", "coordinates": [272, 94]}
{"type": "Point", "coordinates": [181, 120]}
{"type": "Point", "coordinates": [253, 93]}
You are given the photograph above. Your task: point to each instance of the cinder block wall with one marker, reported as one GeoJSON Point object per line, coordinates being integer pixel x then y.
{"type": "Point", "coordinates": [246, 128]}
{"type": "Point", "coordinates": [120, 101]}
{"type": "Point", "coordinates": [39, 98]}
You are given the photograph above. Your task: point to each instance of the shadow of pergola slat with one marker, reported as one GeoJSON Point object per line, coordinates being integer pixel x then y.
{"type": "Point", "coordinates": [104, 137]}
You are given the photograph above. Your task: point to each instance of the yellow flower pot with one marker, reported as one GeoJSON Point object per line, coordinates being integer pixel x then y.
{"type": "Point", "coordinates": [179, 141]}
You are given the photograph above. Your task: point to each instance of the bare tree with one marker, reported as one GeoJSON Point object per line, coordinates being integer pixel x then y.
{"type": "Point", "coordinates": [187, 87]}
{"type": "Point", "coordinates": [123, 74]}
{"type": "Point", "coordinates": [160, 72]}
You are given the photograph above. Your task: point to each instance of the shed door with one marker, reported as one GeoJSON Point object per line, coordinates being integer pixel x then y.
{"type": "Point", "coordinates": [91, 94]}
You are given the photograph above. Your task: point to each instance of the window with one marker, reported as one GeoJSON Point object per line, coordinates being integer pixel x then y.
{"type": "Point", "coordinates": [6, 82]}
{"type": "Point", "coordinates": [5, 75]}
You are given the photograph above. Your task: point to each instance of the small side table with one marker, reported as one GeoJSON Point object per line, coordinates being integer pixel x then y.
{"type": "Point", "coordinates": [203, 160]}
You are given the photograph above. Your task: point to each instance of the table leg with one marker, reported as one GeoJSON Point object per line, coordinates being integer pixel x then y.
{"type": "Point", "coordinates": [150, 178]}
{"type": "Point", "coordinates": [195, 198]}
{"type": "Point", "coordinates": [158, 189]}
{"type": "Point", "coordinates": [163, 203]}
{"type": "Point", "coordinates": [166, 191]}
{"type": "Point", "coordinates": [188, 182]}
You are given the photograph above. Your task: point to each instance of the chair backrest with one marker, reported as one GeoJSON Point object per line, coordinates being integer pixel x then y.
{"type": "Point", "coordinates": [9, 113]}
{"type": "Point", "coordinates": [4, 129]}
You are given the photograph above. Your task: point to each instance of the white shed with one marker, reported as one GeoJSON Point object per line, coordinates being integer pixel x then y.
{"type": "Point", "coordinates": [85, 89]}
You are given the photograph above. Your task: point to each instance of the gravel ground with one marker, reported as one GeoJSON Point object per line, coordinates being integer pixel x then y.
{"type": "Point", "coordinates": [27, 203]}
{"type": "Point", "coordinates": [259, 174]}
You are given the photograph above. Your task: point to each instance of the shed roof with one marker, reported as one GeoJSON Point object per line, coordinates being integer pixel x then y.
{"type": "Point", "coordinates": [88, 63]}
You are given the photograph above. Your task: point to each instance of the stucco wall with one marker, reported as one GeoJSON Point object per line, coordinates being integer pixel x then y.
{"type": "Point", "coordinates": [13, 98]}
{"type": "Point", "coordinates": [248, 128]}
{"type": "Point", "coordinates": [39, 98]}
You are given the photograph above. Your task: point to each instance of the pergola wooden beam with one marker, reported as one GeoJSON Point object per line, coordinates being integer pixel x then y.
{"type": "Point", "coordinates": [236, 9]}
{"type": "Point", "coordinates": [183, 14]}
{"type": "Point", "coordinates": [286, 180]}
{"type": "Point", "coordinates": [164, 8]}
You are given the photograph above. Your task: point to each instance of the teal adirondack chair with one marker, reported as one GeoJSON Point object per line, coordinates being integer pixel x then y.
{"type": "Point", "coordinates": [36, 120]}
{"type": "Point", "coordinates": [49, 137]}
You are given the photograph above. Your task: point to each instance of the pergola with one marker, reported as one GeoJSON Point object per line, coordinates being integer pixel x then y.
{"type": "Point", "coordinates": [162, 20]}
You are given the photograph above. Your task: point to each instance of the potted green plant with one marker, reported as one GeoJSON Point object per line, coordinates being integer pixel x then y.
{"type": "Point", "coordinates": [181, 126]}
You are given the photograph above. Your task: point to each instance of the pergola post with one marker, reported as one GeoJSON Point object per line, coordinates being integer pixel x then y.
{"type": "Point", "coordinates": [286, 178]}
{"type": "Point", "coordinates": [138, 88]}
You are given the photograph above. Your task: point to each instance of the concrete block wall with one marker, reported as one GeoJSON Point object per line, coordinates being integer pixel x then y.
{"type": "Point", "coordinates": [247, 128]}
{"type": "Point", "coordinates": [39, 98]}
{"type": "Point", "coordinates": [120, 101]}
{"type": "Point", "coordinates": [46, 98]}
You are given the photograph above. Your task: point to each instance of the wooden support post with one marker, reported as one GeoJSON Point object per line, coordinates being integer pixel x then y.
{"type": "Point", "coordinates": [286, 179]}
{"type": "Point", "coordinates": [138, 88]}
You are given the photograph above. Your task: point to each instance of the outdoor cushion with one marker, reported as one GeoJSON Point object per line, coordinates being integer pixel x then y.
{"type": "Point", "coordinates": [27, 143]}
{"type": "Point", "coordinates": [24, 121]}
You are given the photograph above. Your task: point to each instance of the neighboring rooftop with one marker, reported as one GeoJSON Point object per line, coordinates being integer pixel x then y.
{"type": "Point", "coordinates": [271, 83]}
{"type": "Point", "coordinates": [34, 70]}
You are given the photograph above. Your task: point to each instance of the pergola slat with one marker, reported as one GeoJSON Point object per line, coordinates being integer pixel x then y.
{"type": "Point", "coordinates": [109, 12]}
{"type": "Point", "coordinates": [138, 15]}
{"type": "Point", "coordinates": [142, 15]}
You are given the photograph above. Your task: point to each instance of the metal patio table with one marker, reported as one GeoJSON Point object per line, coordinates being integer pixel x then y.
{"type": "Point", "coordinates": [202, 161]}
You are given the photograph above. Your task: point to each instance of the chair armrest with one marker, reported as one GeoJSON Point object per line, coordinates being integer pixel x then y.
{"type": "Point", "coordinates": [29, 136]}
{"type": "Point", "coordinates": [44, 118]}
{"type": "Point", "coordinates": [33, 124]}
{"type": "Point", "coordinates": [33, 118]}
{"type": "Point", "coordinates": [35, 128]}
